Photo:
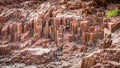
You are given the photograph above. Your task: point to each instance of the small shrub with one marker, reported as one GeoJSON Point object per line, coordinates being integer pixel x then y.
{"type": "Point", "coordinates": [112, 13]}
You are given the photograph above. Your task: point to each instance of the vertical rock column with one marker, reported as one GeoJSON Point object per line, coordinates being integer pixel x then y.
{"type": "Point", "coordinates": [94, 20]}
{"type": "Point", "coordinates": [38, 28]}
{"type": "Point", "coordinates": [5, 32]}
{"type": "Point", "coordinates": [46, 30]}
{"type": "Point", "coordinates": [104, 24]}
{"type": "Point", "coordinates": [57, 21]}
{"type": "Point", "coordinates": [52, 32]}
{"type": "Point", "coordinates": [19, 28]}
{"type": "Point", "coordinates": [84, 25]}
{"type": "Point", "coordinates": [79, 33]}
{"type": "Point", "coordinates": [31, 27]}
{"type": "Point", "coordinates": [99, 34]}
{"type": "Point", "coordinates": [15, 37]}
{"type": "Point", "coordinates": [100, 21]}
{"type": "Point", "coordinates": [11, 29]}
{"type": "Point", "coordinates": [73, 27]}
{"type": "Point", "coordinates": [111, 26]}
{"type": "Point", "coordinates": [25, 27]}
{"type": "Point", "coordinates": [84, 37]}
{"type": "Point", "coordinates": [91, 39]}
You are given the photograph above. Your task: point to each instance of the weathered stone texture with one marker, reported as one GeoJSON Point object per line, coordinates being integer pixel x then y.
{"type": "Point", "coordinates": [102, 58]}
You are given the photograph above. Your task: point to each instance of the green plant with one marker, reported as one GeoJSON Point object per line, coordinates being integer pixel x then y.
{"type": "Point", "coordinates": [112, 13]}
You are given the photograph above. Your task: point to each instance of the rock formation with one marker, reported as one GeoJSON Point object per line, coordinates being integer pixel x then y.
{"type": "Point", "coordinates": [39, 32]}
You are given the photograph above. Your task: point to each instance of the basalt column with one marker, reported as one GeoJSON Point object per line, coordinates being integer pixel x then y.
{"type": "Point", "coordinates": [12, 30]}
{"type": "Point", "coordinates": [5, 32]}
{"type": "Point", "coordinates": [19, 28]}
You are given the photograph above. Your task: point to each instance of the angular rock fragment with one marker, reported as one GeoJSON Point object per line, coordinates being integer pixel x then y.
{"type": "Point", "coordinates": [107, 33]}
{"type": "Point", "coordinates": [106, 43]}
{"type": "Point", "coordinates": [113, 26]}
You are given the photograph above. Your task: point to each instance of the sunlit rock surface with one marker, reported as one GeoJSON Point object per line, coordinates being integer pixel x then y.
{"type": "Point", "coordinates": [58, 34]}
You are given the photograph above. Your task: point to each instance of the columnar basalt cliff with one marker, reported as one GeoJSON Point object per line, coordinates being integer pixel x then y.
{"type": "Point", "coordinates": [39, 32]}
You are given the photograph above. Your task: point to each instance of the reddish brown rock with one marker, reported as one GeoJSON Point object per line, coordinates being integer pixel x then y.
{"type": "Point", "coordinates": [74, 27]}
{"type": "Point", "coordinates": [25, 36]}
{"type": "Point", "coordinates": [39, 31]}
{"type": "Point", "coordinates": [44, 42]}
{"type": "Point", "coordinates": [91, 39]}
{"type": "Point", "coordinates": [83, 48]}
{"type": "Point", "coordinates": [11, 29]}
{"type": "Point", "coordinates": [4, 49]}
{"type": "Point", "coordinates": [84, 24]}
{"type": "Point", "coordinates": [105, 24]}
{"type": "Point", "coordinates": [25, 27]}
{"type": "Point", "coordinates": [5, 32]}
{"type": "Point", "coordinates": [19, 28]}
{"type": "Point", "coordinates": [57, 21]}
{"type": "Point", "coordinates": [106, 43]}
{"type": "Point", "coordinates": [99, 34]}
{"type": "Point", "coordinates": [48, 14]}
{"type": "Point", "coordinates": [79, 31]}
{"type": "Point", "coordinates": [34, 56]}
{"type": "Point", "coordinates": [52, 32]}
{"type": "Point", "coordinates": [107, 33]}
{"type": "Point", "coordinates": [15, 37]}
{"type": "Point", "coordinates": [64, 21]}
{"type": "Point", "coordinates": [101, 58]}
{"type": "Point", "coordinates": [91, 29]}
{"type": "Point", "coordinates": [35, 27]}
{"type": "Point", "coordinates": [67, 38]}
{"type": "Point", "coordinates": [100, 20]}
{"type": "Point", "coordinates": [113, 26]}
{"type": "Point", "coordinates": [47, 30]}
{"type": "Point", "coordinates": [85, 36]}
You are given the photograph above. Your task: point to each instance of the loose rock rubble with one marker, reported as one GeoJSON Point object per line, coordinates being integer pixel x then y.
{"type": "Point", "coordinates": [58, 34]}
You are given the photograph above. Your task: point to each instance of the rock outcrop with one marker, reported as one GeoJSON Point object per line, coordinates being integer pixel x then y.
{"type": "Point", "coordinates": [108, 58]}
{"type": "Point", "coordinates": [41, 31]}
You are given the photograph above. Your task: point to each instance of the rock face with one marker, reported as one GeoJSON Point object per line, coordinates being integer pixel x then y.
{"type": "Point", "coordinates": [40, 31]}
{"type": "Point", "coordinates": [108, 58]}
